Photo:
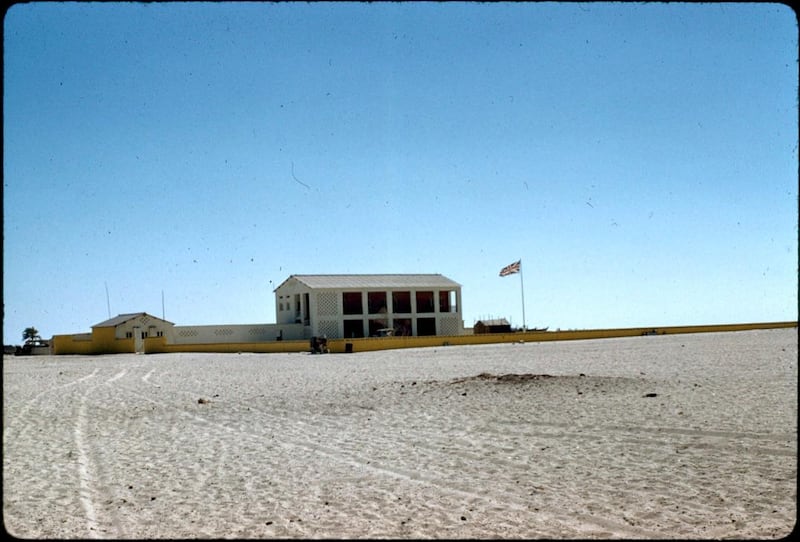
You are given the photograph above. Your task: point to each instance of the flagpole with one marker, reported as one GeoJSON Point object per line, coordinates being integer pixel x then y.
{"type": "Point", "coordinates": [522, 289]}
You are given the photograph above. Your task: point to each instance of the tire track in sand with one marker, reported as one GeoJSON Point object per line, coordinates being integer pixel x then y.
{"type": "Point", "coordinates": [22, 414]}
{"type": "Point", "coordinates": [89, 494]}
{"type": "Point", "coordinates": [301, 435]}
{"type": "Point", "coordinates": [84, 478]}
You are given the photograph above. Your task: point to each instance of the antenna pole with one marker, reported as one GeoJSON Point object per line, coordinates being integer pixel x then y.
{"type": "Point", "coordinates": [108, 301]}
{"type": "Point", "coordinates": [522, 289]}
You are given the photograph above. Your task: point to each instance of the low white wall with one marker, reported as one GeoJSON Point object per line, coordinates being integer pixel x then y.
{"type": "Point", "coordinates": [244, 333]}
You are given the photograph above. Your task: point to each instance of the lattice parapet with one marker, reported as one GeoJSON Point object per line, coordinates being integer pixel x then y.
{"type": "Point", "coordinates": [449, 326]}
{"type": "Point", "coordinates": [328, 328]}
{"type": "Point", "coordinates": [327, 304]}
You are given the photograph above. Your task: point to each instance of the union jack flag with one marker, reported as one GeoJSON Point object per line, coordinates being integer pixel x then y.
{"type": "Point", "coordinates": [511, 268]}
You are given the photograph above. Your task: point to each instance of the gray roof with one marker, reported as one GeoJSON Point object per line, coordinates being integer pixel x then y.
{"type": "Point", "coordinates": [375, 281]}
{"type": "Point", "coordinates": [122, 318]}
{"type": "Point", "coordinates": [495, 322]}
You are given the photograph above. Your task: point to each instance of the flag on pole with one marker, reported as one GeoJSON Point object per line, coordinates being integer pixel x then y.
{"type": "Point", "coordinates": [511, 269]}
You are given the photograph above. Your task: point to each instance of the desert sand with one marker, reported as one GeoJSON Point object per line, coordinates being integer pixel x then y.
{"type": "Point", "coordinates": [674, 436]}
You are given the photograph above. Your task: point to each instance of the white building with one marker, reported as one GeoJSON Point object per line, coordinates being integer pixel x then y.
{"type": "Point", "coordinates": [345, 306]}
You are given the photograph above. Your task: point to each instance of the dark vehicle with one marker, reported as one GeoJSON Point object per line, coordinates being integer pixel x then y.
{"type": "Point", "coordinates": [319, 345]}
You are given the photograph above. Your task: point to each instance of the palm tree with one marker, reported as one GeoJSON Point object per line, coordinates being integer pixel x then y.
{"type": "Point", "coordinates": [30, 334]}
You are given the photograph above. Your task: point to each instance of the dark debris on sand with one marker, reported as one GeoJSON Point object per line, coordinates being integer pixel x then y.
{"type": "Point", "coordinates": [510, 377]}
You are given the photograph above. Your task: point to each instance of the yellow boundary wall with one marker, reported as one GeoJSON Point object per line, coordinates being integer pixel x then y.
{"type": "Point", "coordinates": [158, 345]}
{"type": "Point", "coordinates": [102, 341]}
{"type": "Point", "coordinates": [105, 343]}
{"type": "Point", "coordinates": [67, 344]}
{"type": "Point", "coordinates": [385, 343]}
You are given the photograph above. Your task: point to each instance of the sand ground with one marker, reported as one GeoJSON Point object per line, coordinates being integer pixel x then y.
{"type": "Point", "coordinates": [676, 436]}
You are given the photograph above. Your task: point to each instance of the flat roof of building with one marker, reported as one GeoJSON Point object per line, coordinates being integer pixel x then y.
{"type": "Point", "coordinates": [375, 281]}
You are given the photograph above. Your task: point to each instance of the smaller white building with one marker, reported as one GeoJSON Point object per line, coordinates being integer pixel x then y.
{"type": "Point", "coordinates": [350, 306]}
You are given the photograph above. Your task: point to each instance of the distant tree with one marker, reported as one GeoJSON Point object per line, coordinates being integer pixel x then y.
{"type": "Point", "coordinates": [30, 334]}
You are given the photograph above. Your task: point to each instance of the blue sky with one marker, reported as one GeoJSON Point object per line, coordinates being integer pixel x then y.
{"type": "Point", "coordinates": [640, 159]}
